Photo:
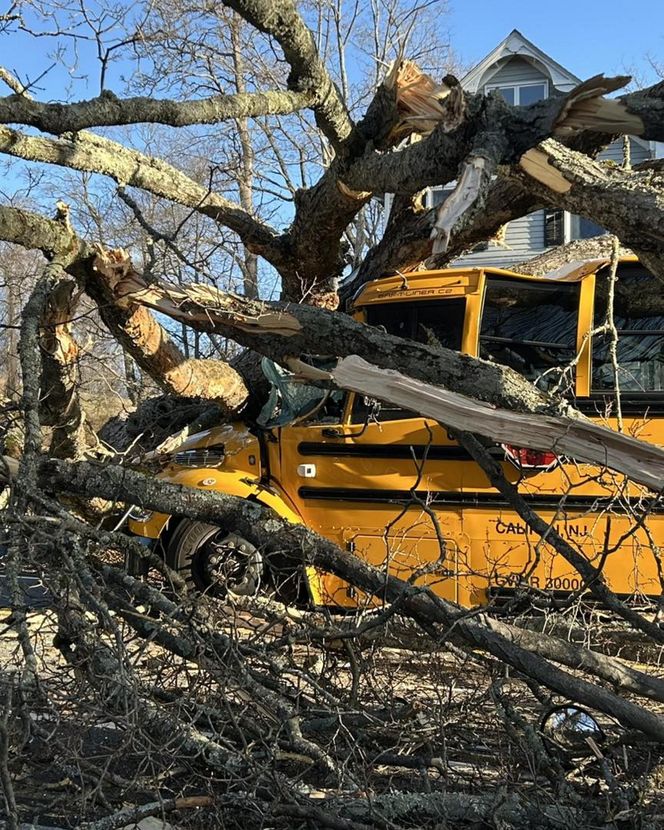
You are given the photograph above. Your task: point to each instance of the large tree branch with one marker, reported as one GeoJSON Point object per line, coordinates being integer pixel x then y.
{"type": "Point", "coordinates": [287, 332]}
{"type": "Point", "coordinates": [490, 126]}
{"type": "Point", "coordinates": [108, 110]}
{"type": "Point", "coordinates": [407, 242]}
{"type": "Point", "coordinates": [279, 19]}
{"type": "Point", "coordinates": [60, 405]}
{"type": "Point", "coordinates": [138, 331]}
{"type": "Point", "coordinates": [485, 129]}
{"type": "Point", "coordinates": [575, 438]}
{"type": "Point", "coordinates": [309, 256]}
{"type": "Point", "coordinates": [648, 105]}
{"type": "Point", "coordinates": [132, 325]}
{"type": "Point", "coordinates": [629, 204]}
{"type": "Point", "coordinates": [91, 153]}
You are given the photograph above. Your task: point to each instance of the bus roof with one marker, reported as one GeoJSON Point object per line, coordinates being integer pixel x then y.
{"type": "Point", "coordinates": [423, 285]}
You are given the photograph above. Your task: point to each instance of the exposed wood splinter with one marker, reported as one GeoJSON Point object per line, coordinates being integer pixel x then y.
{"type": "Point", "coordinates": [586, 109]}
{"type": "Point", "coordinates": [576, 438]}
{"type": "Point", "coordinates": [475, 173]}
{"type": "Point", "coordinates": [190, 303]}
{"type": "Point", "coordinates": [422, 103]}
{"type": "Point", "coordinates": [537, 164]}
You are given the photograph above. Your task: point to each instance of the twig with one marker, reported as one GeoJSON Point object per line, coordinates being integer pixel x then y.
{"type": "Point", "coordinates": [154, 808]}
{"type": "Point", "coordinates": [5, 777]}
{"type": "Point", "coordinates": [610, 325]}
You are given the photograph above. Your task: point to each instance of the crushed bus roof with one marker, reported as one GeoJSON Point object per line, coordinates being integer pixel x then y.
{"type": "Point", "coordinates": [422, 285]}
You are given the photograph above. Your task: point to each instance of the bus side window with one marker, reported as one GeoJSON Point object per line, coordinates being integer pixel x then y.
{"type": "Point", "coordinates": [532, 328]}
{"type": "Point", "coordinates": [292, 402]}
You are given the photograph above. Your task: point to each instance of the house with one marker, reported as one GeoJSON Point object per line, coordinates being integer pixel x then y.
{"type": "Point", "coordinates": [524, 74]}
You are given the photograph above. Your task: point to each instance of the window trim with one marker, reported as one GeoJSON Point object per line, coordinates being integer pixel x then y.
{"type": "Point", "coordinates": [552, 212]}
{"type": "Point", "coordinates": [517, 88]}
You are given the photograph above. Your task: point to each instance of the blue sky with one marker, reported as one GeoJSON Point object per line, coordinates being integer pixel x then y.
{"type": "Point", "coordinates": [585, 36]}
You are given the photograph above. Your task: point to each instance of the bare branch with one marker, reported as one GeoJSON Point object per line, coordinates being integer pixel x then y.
{"type": "Point", "coordinates": [91, 153]}
{"type": "Point", "coordinates": [280, 20]}
{"type": "Point", "coordinates": [108, 110]}
{"type": "Point", "coordinates": [262, 528]}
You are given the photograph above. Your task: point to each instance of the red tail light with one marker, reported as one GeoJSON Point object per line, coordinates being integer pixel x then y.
{"type": "Point", "coordinates": [527, 459]}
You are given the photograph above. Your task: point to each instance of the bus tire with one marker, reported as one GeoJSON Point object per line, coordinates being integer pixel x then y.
{"type": "Point", "coordinates": [213, 561]}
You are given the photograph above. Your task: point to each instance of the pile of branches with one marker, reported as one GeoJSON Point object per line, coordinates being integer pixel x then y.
{"type": "Point", "coordinates": [247, 712]}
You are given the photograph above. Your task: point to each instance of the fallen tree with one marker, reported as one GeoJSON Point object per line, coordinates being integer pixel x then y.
{"type": "Point", "coordinates": [219, 714]}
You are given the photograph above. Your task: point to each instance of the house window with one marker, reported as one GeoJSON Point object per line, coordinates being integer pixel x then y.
{"type": "Point", "coordinates": [554, 228]}
{"type": "Point", "coordinates": [521, 95]}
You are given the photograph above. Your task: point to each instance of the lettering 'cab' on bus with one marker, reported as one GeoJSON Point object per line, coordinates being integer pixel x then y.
{"type": "Point", "coordinates": [347, 466]}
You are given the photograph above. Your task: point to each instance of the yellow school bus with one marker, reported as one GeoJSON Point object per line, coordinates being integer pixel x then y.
{"type": "Point", "coordinates": [396, 489]}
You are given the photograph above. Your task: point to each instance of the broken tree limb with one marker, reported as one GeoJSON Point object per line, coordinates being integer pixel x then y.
{"type": "Point", "coordinates": [149, 343]}
{"type": "Point", "coordinates": [326, 333]}
{"type": "Point", "coordinates": [577, 438]}
{"type": "Point", "coordinates": [563, 431]}
{"type": "Point", "coordinates": [629, 204]}
{"type": "Point", "coordinates": [422, 103]}
{"type": "Point", "coordinates": [310, 254]}
{"type": "Point", "coordinates": [60, 405]}
{"type": "Point", "coordinates": [477, 172]}
{"type": "Point", "coordinates": [135, 328]}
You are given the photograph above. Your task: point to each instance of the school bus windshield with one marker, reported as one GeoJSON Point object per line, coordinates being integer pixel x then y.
{"type": "Point", "coordinates": [530, 327]}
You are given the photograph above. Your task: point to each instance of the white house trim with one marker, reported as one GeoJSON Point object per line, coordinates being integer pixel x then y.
{"type": "Point", "coordinates": [516, 45]}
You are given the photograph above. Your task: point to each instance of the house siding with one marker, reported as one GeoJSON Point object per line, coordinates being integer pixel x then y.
{"type": "Point", "coordinates": [514, 71]}
{"type": "Point", "coordinates": [638, 151]}
{"type": "Point", "coordinates": [524, 238]}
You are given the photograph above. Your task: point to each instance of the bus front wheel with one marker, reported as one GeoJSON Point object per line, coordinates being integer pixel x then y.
{"type": "Point", "coordinates": [214, 561]}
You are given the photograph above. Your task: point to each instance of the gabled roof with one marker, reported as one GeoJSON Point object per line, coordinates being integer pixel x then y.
{"type": "Point", "coordinates": [516, 45]}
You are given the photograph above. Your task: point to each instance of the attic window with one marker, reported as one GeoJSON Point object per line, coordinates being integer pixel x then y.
{"type": "Point", "coordinates": [521, 95]}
